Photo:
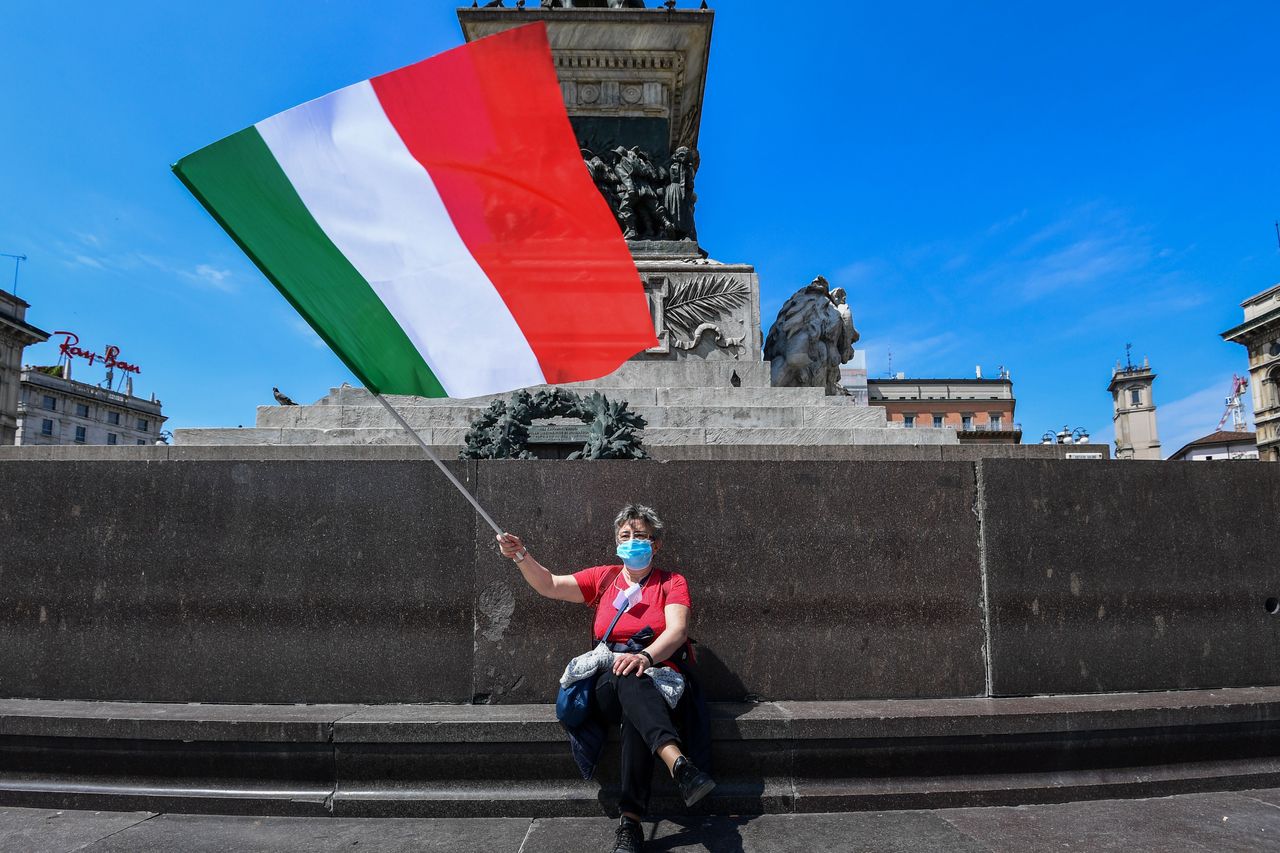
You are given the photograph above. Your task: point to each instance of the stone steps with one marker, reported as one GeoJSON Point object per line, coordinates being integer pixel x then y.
{"type": "Point", "coordinates": [681, 416]}
{"type": "Point", "coordinates": [688, 403]}
{"type": "Point", "coordinates": [512, 760]}
{"type": "Point", "coordinates": [684, 373]}
{"type": "Point", "coordinates": [258, 451]}
{"type": "Point", "coordinates": [450, 439]}
{"type": "Point", "coordinates": [637, 396]}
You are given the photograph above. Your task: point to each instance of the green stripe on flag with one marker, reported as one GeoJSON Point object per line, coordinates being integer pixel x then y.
{"type": "Point", "coordinates": [243, 187]}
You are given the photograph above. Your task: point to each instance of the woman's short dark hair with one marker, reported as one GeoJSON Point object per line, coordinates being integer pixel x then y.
{"type": "Point", "coordinates": [640, 512]}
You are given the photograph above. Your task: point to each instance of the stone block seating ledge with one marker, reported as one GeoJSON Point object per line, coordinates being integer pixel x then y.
{"type": "Point", "coordinates": [512, 761]}
{"type": "Point", "coordinates": [316, 632]}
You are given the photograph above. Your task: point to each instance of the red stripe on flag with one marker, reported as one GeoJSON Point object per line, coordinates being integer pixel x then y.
{"type": "Point", "coordinates": [487, 121]}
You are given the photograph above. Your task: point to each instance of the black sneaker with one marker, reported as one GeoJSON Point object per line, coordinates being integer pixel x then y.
{"type": "Point", "coordinates": [694, 784]}
{"type": "Point", "coordinates": [630, 836]}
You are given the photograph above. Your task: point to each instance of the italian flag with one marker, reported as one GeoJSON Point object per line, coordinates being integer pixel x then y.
{"type": "Point", "coordinates": [436, 225]}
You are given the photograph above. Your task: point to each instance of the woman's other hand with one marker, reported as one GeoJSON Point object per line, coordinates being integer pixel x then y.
{"type": "Point", "coordinates": [626, 664]}
{"type": "Point", "coordinates": [510, 544]}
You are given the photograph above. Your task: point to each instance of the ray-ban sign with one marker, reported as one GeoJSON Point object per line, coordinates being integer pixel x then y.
{"type": "Point", "coordinates": [111, 360]}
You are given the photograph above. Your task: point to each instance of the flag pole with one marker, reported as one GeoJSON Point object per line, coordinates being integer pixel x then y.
{"type": "Point", "coordinates": [426, 448]}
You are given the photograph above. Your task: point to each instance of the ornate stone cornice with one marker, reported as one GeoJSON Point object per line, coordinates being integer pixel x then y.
{"type": "Point", "coordinates": [634, 62]}
{"type": "Point", "coordinates": [597, 82]}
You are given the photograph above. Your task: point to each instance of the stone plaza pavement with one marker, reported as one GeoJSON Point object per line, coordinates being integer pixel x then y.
{"type": "Point", "coordinates": [1212, 823]}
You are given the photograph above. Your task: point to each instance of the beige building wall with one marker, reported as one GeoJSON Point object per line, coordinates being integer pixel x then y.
{"type": "Point", "coordinates": [54, 410]}
{"type": "Point", "coordinates": [1259, 334]}
{"type": "Point", "coordinates": [1134, 406]}
{"type": "Point", "coordinates": [16, 334]}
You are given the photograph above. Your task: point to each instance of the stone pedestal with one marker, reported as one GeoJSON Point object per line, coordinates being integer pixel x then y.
{"type": "Point", "coordinates": [702, 311]}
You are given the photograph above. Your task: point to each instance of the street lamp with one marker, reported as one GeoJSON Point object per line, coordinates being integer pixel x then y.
{"type": "Point", "coordinates": [1066, 435]}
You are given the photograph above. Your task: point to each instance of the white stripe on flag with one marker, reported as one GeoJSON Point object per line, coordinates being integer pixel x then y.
{"type": "Point", "coordinates": [381, 209]}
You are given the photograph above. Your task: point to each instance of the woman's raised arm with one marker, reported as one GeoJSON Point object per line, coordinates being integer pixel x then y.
{"type": "Point", "coordinates": [538, 576]}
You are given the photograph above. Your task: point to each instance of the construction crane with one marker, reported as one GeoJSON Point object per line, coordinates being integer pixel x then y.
{"type": "Point", "coordinates": [1235, 408]}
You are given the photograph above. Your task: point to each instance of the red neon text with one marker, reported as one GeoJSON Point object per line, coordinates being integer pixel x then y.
{"type": "Point", "coordinates": [110, 361]}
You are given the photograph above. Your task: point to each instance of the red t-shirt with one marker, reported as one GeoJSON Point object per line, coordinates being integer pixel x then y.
{"type": "Point", "coordinates": [601, 584]}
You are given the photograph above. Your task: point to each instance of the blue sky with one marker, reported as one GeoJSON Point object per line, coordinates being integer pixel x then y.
{"type": "Point", "coordinates": [1026, 185]}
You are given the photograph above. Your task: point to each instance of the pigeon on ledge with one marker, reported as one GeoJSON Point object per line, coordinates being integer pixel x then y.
{"type": "Point", "coordinates": [281, 398]}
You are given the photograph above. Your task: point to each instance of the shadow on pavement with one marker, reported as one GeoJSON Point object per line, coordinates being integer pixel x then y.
{"type": "Point", "coordinates": [713, 834]}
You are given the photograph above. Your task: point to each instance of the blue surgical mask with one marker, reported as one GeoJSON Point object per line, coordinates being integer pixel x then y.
{"type": "Point", "coordinates": [636, 553]}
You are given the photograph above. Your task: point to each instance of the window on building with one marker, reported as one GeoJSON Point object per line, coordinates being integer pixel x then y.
{"type": "Point", "coordinates": [966, 422]}
{"type": "Point", "coordinates": [140, 441]}
{"type": "Point", "coordinates": [46, 427]}
{"type": "Point", "coordinates": [938, 420]}
{"type": "Point", "coordinates": [1135, 396]}
{"type": "Point", "coordinates": [80, 435]}
{"type": "Point", "coordinates": [50, 403]}
{"type": "Point", "coordinates": [143, 425]}
{"type": "Point", "coordinates": [997, 420]}
{"type": "Point", "coordinates": [82, 411]}
{"type": "Point", "coordinates": [112, 438]}
{"type": "Point", "coordinates": [909, 421]}
{"type": "Point", "coordinates": [113, 418]}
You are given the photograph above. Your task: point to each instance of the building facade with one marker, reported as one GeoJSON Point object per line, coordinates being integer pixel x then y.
{"type": "Point", "coordinates": [58, 410]}
{"type": "Point", "coordinates": [981, 411]}
{"type": "Point", "coordinates": [1218, 446]}
{"type": "Point", "coordinates": [853, 377]}
{"type": "Point", "coordinates": [1259, 334]}
{"type": "Point", "coordinates": [16, 334]}
{"type": "Point", "coordinates": [1133, 402]}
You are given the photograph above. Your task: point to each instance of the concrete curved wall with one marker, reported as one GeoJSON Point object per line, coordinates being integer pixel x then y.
{"type": "Point", "coordinates": [233, 576]}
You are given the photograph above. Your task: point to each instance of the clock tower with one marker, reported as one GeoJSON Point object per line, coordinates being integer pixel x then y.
{"type": "Point", "coordinates": [1133, 401]}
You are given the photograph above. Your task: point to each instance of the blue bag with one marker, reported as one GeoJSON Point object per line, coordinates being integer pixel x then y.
{"type": "Point", "coordinates": [573, 703]}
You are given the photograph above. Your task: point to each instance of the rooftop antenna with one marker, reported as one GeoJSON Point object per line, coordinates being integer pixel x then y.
{"type": "Point", "coordinates": [890, 364]}
{"type": "Point", "coordinates": [17, 262]}
{"type": "Point", "coordinates": [1128, 357]}
{"type": "Point", "coordinates": [1278, 235]}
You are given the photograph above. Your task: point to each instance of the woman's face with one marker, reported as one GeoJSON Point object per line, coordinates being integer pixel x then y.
{"type": "Point", "coordinates": [635, 529]}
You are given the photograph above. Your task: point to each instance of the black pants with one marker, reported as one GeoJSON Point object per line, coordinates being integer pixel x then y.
{"type": "Point", "coordinates": [646, 725]}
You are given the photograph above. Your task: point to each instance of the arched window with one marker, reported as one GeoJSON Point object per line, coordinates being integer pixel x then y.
{"type": "Point", "coordinates": [1271, 391]}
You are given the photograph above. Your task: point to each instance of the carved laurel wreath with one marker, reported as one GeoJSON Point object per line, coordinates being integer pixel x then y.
{"type": "Point", "coordinates": [702, 299]}
{"type": "Point", "coordinates": [502, 430]}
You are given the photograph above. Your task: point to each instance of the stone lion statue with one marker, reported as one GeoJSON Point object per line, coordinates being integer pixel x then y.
{"type": "Point", "coordinates": [811, 338]}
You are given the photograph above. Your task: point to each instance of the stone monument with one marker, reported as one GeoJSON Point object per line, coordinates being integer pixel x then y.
{"type": "Point", "coordinates": [633, 80]}
{"type": "Point", "coordinates": [811, 338]}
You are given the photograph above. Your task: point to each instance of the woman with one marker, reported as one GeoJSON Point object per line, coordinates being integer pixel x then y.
{"type": "Point", "coordinates": [623, 695]}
